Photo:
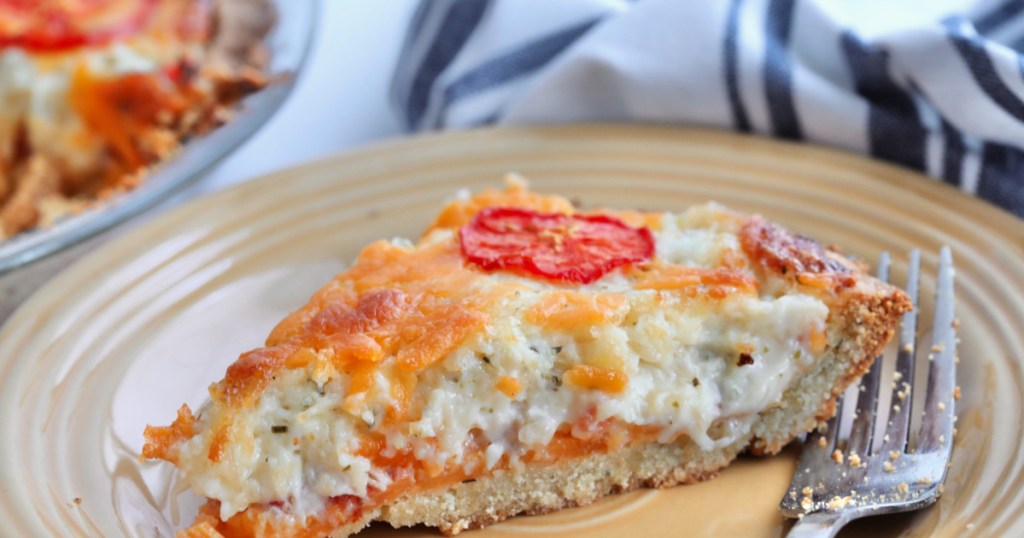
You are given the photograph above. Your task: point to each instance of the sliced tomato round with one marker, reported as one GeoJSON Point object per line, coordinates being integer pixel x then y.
{"type": "Point", "coordinates": [56, 25]}
{"type": "Point", "coordinates": [569, 248]}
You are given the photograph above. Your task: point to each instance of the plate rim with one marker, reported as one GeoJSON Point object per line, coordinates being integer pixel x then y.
{"type": "Point", "coordinates": [1003, 224]}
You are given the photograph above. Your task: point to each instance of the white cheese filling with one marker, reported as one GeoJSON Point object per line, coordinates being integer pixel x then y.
{"type": "Point", "coordinates": [680, 357]}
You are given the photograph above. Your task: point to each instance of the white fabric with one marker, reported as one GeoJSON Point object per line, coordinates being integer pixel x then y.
{"type": "Point", "coordinates": [934, 85]}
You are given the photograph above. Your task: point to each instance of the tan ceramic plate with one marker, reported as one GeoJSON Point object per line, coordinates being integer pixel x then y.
{"type": "Point", "coordinates": [146, 323]}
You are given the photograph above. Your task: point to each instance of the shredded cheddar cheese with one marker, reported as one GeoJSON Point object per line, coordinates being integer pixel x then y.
{"type": "Point", "coordinates": [509, 386]}
{"type": "Point", "coordinates": [596, 378]}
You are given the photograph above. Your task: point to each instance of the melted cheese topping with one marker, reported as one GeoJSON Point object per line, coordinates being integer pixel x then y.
{"type": "Point", "coordinates": [411, 367]}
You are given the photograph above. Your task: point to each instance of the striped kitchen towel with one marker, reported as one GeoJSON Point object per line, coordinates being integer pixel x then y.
{"type": "Point", "coordinates": [935, 85]}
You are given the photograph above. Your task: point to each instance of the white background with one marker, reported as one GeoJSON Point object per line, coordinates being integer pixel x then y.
{"type": "Point", "coordinates": [339, 101]}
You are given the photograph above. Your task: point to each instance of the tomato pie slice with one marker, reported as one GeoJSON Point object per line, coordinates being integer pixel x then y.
{"type": "Point", "coordinates": [524, 356]}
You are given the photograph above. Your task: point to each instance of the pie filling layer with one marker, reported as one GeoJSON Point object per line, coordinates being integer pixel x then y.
{"type": "Point", "coordinates": [414, 368]}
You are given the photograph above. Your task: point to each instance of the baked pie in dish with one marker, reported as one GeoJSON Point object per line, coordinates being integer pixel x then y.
{"type": "Point", "coordinates": [94, 93]}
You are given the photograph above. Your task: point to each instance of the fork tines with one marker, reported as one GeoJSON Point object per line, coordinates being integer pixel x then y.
{"type": "Point", "coordinates": [843, 479]}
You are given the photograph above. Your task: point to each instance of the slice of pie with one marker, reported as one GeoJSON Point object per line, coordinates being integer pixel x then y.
{"type": "Point", "coordinates": [524, 356]}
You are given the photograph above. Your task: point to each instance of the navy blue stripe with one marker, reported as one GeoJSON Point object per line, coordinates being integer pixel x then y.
{"type": "Point", "coordinates": [778, 71]}
{"type": "Point", "coordinates": [1001, 14]}
{"type": "Point", "coordinates": [895, 132]}
{"type": "Point", "coordinates": [1000, 179]}
{"type": "Point", "coordinates": [1018, 47]}
{"type": "Point", "coordinates": [517, 63]}
{"type": "Point", "coordinates": [973, 52]}
{"type": "Point", "coordinates": [418, 18]}
{"type": "Point", "coordinates": [953, 157]}
{"type": "Point", "coordinates": [460, 21]}
{"type": "Point", "coordinates": [740, 121]}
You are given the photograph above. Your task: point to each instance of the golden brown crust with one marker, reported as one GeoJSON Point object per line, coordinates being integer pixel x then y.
{"type": "Point", "coordinates": [861, 323]}
{"type": "Point", "coordinates": [33, 181]}
{"type": "Point", "coordinates": [542, 489]}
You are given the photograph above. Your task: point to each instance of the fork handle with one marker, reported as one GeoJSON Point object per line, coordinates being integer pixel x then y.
{"type": "Point", "coordinates": [819, 525]}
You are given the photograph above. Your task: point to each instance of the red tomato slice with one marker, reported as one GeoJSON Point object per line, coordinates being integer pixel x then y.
{"type": "Point", "coordinates": [55, 25]}
{"type": "Point", "coordinates": [570, 248]}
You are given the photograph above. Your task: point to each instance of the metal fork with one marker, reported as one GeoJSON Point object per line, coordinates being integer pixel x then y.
{"type": "Point", "coordinates": [836, 481]}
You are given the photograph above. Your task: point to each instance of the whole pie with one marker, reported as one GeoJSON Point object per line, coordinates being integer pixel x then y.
{"type": "Point", "coordinates": [523, 356]}
{"type": "Point", "coordinates": [95, 92]}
